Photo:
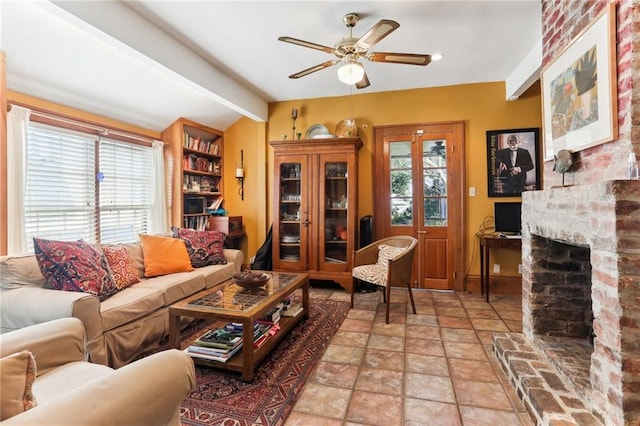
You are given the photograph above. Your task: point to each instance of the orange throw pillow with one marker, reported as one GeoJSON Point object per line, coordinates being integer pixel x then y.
{"type": "Point", "coordinates": [164, 255]}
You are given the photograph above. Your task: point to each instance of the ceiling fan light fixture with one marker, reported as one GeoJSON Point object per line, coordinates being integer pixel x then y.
{"type": "Point", "coordinates": [351, 72]}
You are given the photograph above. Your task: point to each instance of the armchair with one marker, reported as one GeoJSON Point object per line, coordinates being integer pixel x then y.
{"type": "Point", "coordinates": [71, 391]}
{"type": "Point", "coordinates": [386, 263]}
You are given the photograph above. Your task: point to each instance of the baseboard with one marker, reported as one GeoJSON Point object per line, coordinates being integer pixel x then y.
{"type": "Point", "coordinates": [508, 285]}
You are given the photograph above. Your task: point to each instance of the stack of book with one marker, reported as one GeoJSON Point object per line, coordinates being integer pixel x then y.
{"type": "Point", "coordinates": [222, 343]}
{"type": "Point", "coordinates": [291, 307]}
{"type": "Point", "coordinates": [292, 310]}
{"type": "Point", "coordinates": [273, 316]}
{"type": "Point", "coordinates": [216, 345]}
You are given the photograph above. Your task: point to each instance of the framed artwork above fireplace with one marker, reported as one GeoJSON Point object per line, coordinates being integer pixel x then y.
{"type": "Point", "coordinates": [579, 89]}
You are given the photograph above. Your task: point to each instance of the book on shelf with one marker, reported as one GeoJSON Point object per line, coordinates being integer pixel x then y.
{"type": "Point", "coordinates": [260, 340]}
{"type": "Point", "coordinates": [215, 204]}
{"type": "Point", "coordinates": [212, 357]}
{"type": "Point", "coordinates": [199, 223]}
{"type": "Point", "coordinates": [222, 343]}
{"type": "Point", "coordinates": [213, 351]}
{"type": "Point", "coordinates": [220, 338]}
{"type": "Point", "coordinates": [292, 310]}
{"type": "Point", "coordinates": [271, 317]}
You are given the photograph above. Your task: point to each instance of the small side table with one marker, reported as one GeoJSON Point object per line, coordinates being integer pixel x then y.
{"type": "Point", "coordinates": [234, 239]}
{"type": "Point", "coordinates": [487, 242]}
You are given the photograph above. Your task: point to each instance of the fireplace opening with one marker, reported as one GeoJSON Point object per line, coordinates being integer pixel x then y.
{"type": "Point", "coordinates": [561, 308]}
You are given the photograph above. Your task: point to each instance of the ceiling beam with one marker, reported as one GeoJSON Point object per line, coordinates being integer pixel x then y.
{"type": "Point", "coordinates": [121, 27]}
{"type": "Point", "coordinates": [525, 74]}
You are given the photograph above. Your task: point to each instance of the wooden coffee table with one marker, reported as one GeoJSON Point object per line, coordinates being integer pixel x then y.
{"type": "Point", "coordinates": [229, 302]}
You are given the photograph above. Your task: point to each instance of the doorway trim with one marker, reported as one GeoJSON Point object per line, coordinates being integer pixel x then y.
{"type": "Point", "coordinates": [458, 221]}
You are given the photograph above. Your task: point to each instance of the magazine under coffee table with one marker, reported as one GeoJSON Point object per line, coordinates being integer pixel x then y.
{"type": "Point", "coordinates": [228, 302]}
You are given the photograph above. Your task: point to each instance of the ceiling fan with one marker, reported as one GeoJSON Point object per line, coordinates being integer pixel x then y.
{"type": "Point", "coordinates": [350, 49]}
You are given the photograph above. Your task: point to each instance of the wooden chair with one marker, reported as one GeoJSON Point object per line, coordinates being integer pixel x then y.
{"type": "Point", "coordinates": [385, 263]}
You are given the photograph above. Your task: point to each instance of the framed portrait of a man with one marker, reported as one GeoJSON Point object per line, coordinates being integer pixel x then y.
{"type": "Point", "coordinates": [512, 161]}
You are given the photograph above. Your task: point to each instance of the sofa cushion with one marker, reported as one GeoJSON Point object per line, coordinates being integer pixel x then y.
{"type": "Point", "coordinates": [20, 270]}
{"type": "Point", "coordinates": [386, 253]}
{"type": "Point", "coordinates": [74, 266]}
{"type": "Point", "coordinates": [175, 286]}
{"type": "Point", "coordinates": [17, 373]}
{"type": "Point", "coordinates": [204, 247]}
{"type": "Point", "coordinates": [215, 274]}
{"type": "Point", "coordinates": [128, 305]}
{"type": "Point", "coordinates": [164, 255]}
{"type": "Point", "coordinates": [67, 377]}
{"type": "Point", "coordinates": [374, 274]}
{"type": "Point", "coordinates": [123, 270]}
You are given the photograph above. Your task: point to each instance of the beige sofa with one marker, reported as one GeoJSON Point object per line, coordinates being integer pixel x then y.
{"type": "Point", "coordinates": [70, 391]}
{"type": "Point", "coordinates": [119, 328]}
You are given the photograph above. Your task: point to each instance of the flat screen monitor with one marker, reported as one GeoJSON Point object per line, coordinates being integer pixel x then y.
{"type": "Point", "coordinates": [507, 217]}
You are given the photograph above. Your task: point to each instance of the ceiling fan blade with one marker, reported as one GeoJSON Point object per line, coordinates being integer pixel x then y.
{"type": "Point", "coordinates": [314, 69]}
{"type": "Point", "coordinates": [364, 82]}
{"type": "Point", "coordinates": [377, 33]}
{"type": "Point", "coordinates": [400, 58]}
{"type": "Point", "coordinates": [306, 44]}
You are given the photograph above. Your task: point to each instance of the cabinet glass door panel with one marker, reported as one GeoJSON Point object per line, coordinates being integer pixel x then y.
{"type": "Point", "coordinates": [336, 223]}
{"type": "Point", "coordinates": [291, 233]}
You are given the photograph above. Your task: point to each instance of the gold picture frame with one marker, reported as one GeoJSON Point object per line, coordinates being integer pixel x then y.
{"type": "Point", "coordinates": [579, 90]}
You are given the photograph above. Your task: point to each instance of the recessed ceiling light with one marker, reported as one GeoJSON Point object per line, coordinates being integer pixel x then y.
{"type": "Point", "coordinates": [437, 56]}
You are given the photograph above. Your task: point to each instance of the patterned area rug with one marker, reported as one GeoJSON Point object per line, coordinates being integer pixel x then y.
{"type": "Point", "coordinates": [222, 398]}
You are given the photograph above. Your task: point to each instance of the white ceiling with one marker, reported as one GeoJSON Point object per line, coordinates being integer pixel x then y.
{"type": "Point", "coordinates": [150, 62]}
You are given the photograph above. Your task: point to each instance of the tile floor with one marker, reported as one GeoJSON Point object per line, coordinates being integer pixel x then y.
{"type": "Point", "coordinates": [432, 368]}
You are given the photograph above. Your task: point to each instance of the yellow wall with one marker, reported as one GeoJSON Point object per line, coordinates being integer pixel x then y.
{"type": "Point", "coordinates": [249, 136]}
{"type": "Point", "coordinates": [482, 107]}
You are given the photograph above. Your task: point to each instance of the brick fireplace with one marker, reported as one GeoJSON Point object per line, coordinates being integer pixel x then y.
{"type": "Point", "coordinates": [581, 269]}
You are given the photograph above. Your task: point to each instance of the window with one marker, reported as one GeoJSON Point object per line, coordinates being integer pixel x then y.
{"type": "Point", "coordinates": [401, 195]}
{"type": "Point", "coordinates": [80, 188]}
{"type": "Point", "coordinates": [125, 191]}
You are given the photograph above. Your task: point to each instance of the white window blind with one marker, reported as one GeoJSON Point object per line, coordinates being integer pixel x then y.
{"type": "Point", "coordinates": [79, 188]}
{"type": "Point", "coordinates": [125, 182]}
{"type": "Point", "coordinates": [60, 190]}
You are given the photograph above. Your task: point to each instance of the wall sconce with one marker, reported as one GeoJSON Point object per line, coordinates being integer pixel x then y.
{"type": "Point", "coordinates": [240, 175]}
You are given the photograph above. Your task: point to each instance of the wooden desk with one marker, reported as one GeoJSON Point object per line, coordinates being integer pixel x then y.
{"type": "Point", "coordinates": [487, 242]}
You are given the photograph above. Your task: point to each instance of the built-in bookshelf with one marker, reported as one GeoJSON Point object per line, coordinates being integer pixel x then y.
{"type": "Point", "coordinates": [195, 154]}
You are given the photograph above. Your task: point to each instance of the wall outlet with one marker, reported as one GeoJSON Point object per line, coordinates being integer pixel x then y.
{"type": "Point", "coordinates": [520, 268]}
{"type": "Point", "coordinates": [496, 268]}
{"type": "Point", "coordinates": [472, 191]}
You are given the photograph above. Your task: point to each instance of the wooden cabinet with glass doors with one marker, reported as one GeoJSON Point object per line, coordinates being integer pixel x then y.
{"type": "Point", "coordinates": [315, 212]}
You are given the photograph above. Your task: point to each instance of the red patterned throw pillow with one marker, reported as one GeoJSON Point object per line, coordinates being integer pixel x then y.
{"type": "Point", "coordinates": [74, 266]}
{"type": "Point", "coordinates": [123, 270]}
{"type": "Point", "coordinates": [204, 247]}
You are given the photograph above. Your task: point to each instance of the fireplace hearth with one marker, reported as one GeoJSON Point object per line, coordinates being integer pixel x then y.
{"type": "Point", "coordinates": [578, 357]}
